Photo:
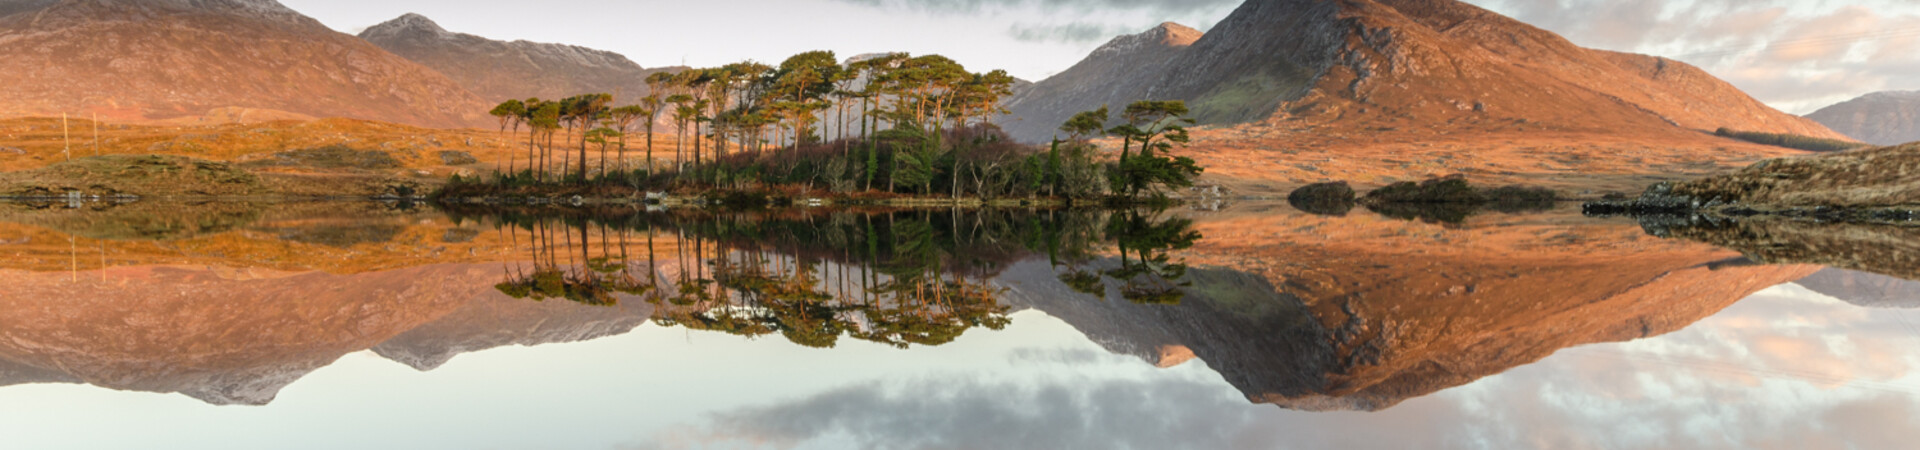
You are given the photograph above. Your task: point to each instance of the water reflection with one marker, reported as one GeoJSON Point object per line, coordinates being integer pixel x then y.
{"type": "Point", "coordinates": [1210, 313]}
{"type": "Point", "coordinates": [900, 278]}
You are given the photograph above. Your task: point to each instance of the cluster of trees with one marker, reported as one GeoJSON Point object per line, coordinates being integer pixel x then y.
{"type": "Point", "coordinates": [750, 106]}
{"type": "Point", "coordinates": [900, 279]}
{"type": "Point", "coordinates": [899, 123]}
{"type": "Point", "coordinates": [1793, 141]}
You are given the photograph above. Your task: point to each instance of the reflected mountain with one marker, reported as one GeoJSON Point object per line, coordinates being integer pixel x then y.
{"type": "Point", "coordinates": [1371, 320]}
{"type": "Point", "coordinates": [1865, 289]}
{"type": "Point", "coordinates": [224, 336]}
{"type": "Point", "coordinates": [239, 336]}
{"type": "Point", "coordinates": [493, 321]}
{"type": "Point", "coordinates": [1311, 313]}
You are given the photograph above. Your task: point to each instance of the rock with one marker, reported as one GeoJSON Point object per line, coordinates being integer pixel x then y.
{"type": "Point", "coordinates": [457, 158]}
{"type": "Point", "coordinates": [1327, 199]}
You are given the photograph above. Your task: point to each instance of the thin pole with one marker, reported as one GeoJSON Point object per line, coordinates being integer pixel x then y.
{"type": "Point", "coordinates": [66, 137]}
{"type": "Point", "coordinates": [96, 134]}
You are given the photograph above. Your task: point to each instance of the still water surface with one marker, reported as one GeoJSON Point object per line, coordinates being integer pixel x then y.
{"type": "Point", "coordinates": [1258, 326]}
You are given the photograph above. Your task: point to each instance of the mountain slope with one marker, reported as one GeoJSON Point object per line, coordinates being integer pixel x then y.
{"type": "Point", "coordinates": [1089, 84]}
{"type": "Point", "coordinates": [1882, 118]}
{"type": "Point", "coordinates": [151, 60]}
{"type": "Point", "coordinates": [497, 70]}
{"type": "Point", "coordinates": [1393, 64]}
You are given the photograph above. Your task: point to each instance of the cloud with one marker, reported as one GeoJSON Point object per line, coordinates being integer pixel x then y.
{"type": "Point", "coordinates": [1079, 6]}
{"type": "Point", "coordinates": [1784, 369]}
{"type": "Point", "coordinates": [1795, 55]}
{"type": "Point", "coordinates": [1073, 22]}
{"type": "Point", "coordinates": [1077, 32]}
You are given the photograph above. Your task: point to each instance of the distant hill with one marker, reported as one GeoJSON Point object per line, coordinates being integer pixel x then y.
{"type": "Point", "coordinates": [155, 60]}
{"type": "Point", "coordinates": [497, 70]}
{"type": "Point", "coordinates": [1882, 118]}
{"type": "Point", "coordinates": [1865, 289]}
{"type": "Point", "coordinates": [1394, 64]}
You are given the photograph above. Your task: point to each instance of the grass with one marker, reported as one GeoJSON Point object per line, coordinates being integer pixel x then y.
{"type": "Point", "coordinates": [149, 175]}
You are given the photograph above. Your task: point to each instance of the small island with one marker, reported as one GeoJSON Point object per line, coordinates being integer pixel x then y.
{"type": "Point", "coordinates": [896, 130]}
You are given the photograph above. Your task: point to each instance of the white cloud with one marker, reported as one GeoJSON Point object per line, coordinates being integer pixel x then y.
{"type": "Point", "coordinates": [1795, 55]}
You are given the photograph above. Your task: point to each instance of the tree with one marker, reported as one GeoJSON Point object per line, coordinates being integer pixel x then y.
{"type": "Point", "coordinates": [1085, 125]}
{"type": "Point", "coordinates": [509, 112]}
{"type": "Point", "coordinates": [546, 120]}
{"type": "Point", "coordinates": [624, 117]}
{"type": "Point", "coordinates": [603, 136]}
{"type": "Point", "coordinates": [654, 106]}
{"type": "Point", "coordinates": [1148, 120]}
{"type": "Point", "coordinates": [799, 84]}
{"type": "Point", "coordinates": [682, 112]}
{"type": "Point", "coordinates": [588, 110]}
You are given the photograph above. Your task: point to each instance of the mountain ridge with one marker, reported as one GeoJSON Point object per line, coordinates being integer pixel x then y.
{"type": "Point", "coordinates": [151, 61]}
{"type": "Point", "coordinates": [499, 70]}
{"type": "Point", "coordinates": [1879, 118]}
{"type": "Point", "coordinates": [1401, 63]}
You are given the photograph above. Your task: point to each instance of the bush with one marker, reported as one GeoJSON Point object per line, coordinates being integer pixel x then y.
{"type": "Point", "coordinates": [1793, 141]}
{"type": "Point", "coordinates": [1453, 189]}
{"type": "Point", "coordinates": [331, 157]}
{"type": "Point", "coordinates": [1327, 199]}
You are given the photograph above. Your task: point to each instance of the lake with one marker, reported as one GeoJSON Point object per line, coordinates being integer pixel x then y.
{"type": "Point", "coordinates": [1248, 325]}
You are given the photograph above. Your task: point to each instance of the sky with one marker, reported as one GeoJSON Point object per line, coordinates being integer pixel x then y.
{"type": "Point", "coordinates": [1797, 55]}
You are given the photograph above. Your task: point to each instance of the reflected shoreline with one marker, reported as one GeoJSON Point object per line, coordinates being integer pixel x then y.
{"type": "Point", "coordinates": [1320, 314]}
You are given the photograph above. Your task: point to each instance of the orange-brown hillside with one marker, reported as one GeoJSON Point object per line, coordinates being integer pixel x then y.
{"type": "Point", "coordinates": [1295, 91]}
{"type": "Point", "coordinates": [159, 60]}
{"type": "Point", "coordinates": [33, 143]}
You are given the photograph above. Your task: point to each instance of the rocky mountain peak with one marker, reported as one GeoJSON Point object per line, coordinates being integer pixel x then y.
{"type": "Point", "coordinates": [410, 24]}
{"type": "Point", "coordinates": [1166, 35]}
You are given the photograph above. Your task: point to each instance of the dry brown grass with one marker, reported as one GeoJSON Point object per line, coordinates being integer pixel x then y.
{"type": "Point", "coordinates": [1878, 177]}
{"type": "Point", "coordinates": [37, 142]}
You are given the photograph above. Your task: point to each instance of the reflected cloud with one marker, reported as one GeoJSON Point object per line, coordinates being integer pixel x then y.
{"type": "Point", "coordinates": [1697, 388]}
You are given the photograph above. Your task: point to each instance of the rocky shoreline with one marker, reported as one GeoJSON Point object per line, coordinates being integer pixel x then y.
{"type": "Point", "coordinates": [1664, 202]}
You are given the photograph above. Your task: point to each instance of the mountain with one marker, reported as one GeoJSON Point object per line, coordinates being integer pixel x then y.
{"type": "Point", "coordinates": [1091, 83]}
{"type": "Point", "coordinates": [1883, 118]}
{"type": "Point", "coordinates": [1392, 65]}
{"type": "Point", "coordinates": [154, 60]}
{"type": "Point", "coordinates": [1865, 289]}
{"type": "Point", "coordinates": [497, 71]}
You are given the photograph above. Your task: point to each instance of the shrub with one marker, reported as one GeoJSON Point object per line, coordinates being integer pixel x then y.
{"type": "Point", "coordinates": [1453, 189]}
{"type": "Point", "coordinates": [1327, 199]}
